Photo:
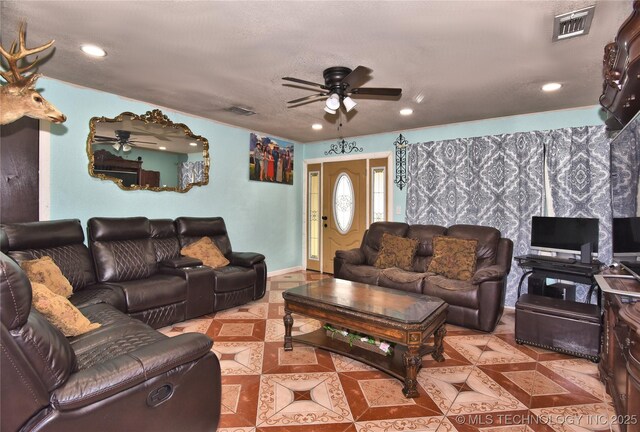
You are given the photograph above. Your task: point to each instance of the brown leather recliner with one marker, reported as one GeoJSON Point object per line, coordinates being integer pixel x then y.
{"type": "Point", "coordinates": [124, 255]}
{"type": "Point", "coordinates": [121, 376]}
{"type": "Point", "coordinates": [476, 304]}
{"type": "Point", "coordinates": [243, 280]}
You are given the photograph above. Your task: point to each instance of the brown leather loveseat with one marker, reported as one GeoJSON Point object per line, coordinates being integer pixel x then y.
{"type": "Point", "coordinates": [477, 303]}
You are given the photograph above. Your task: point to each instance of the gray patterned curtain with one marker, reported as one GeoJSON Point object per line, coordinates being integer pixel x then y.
{"type": "Point", "coordinates": [625, 169]}
{"type": "Point", "coordinates": [579, 167]}
{"type": "Point", "coordinates": [190, 172]}
{"type": "Point", "coordinates": [492, 180]}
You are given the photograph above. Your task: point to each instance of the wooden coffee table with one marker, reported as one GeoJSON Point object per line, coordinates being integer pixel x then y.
{"type": "Point", "coordinates": [408, 319]}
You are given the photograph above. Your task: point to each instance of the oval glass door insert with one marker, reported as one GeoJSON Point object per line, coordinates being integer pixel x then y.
{"type": "Point", "coordinates": [343, 203]}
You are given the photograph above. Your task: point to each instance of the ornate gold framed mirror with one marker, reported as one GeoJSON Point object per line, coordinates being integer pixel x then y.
{"type": "Point", "coordinates": [147, 152]}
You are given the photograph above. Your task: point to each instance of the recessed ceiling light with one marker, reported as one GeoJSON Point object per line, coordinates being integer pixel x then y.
{"type": "Point", "coordinates": [93, 50]}
{"type": "Point", "coordinates": [406, 111]}
{"type": "Point", "coordinates": [316, 126]}
{"type": "Point", "coordinates": [192, 144]}
{"type": "Point", "coordinates": [162, 148]}
{"type": "Point", "coordinates": [549, 87]}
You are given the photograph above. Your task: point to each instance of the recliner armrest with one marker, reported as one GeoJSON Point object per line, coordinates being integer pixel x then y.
{"type": "Point", "coordinates": [180, 262]}
{"type": "Point", "coordinates": [245, 259]}
{"type": "Point", "coordinates": [113, 376]}
{"type": "Point", "coordinates": [491, 273]}
{"type": "Point", "coordinates": [351, 256]}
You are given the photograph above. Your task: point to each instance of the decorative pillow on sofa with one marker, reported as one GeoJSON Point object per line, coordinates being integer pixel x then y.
{"type": "Point", "coordinates": [45, 271]}
{"type": "Point", "coordinates": [454, 258]}
{"type": "Point", "coordinates": [59, 311]}
{"type": "Point", "coordinates": [206, 251]}
{"type": "Point", "coordinates": [396, 252]}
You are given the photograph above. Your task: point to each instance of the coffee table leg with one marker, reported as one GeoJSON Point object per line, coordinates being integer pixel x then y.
{"type": "Point", "coordinates": [438, 346]}
{"type": "Point", "coordinates": [288, 323]}
{"type": "Point", "coordinates": [412, 362]}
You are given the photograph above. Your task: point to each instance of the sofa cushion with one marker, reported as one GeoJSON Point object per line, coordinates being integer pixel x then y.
{"type": "Point", "coordinates": [45, 271]}
{"type": "Point", "coordinates": [454, 258]}
{"type": "Point", "coordinates": [402, 279]}
{"type": "Point", "coordinates": [373, 238]}
{"type": "Point", "coordinates": [60, 312]}
{"type": "Point", "coordinates": [425, 234]}
{"type": "Point", "coordinates": [100, 293]}
{"type": "Point", "coordinates": [487, 237]}
{"type": "Point", "coordinates": [158, 290]}
{"type": "Point", "coordinates": [360, 273]}
{"type": "Point", "coordinates": [454, 292]}
{"type": "Point", "coordinates": [206, 251]}
{"type": "Point", "coordinates": [396, 252]}
{"type": "Point", "coordinates": [233, 278]}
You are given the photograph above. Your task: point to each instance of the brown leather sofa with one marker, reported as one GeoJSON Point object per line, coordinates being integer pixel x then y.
{"type": "Point", "coordinates": [121, 376]}
{"type": "Point", "coordinates": [476, 304]}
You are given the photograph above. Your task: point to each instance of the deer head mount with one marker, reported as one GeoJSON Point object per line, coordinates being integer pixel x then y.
{"type": "Point", "coordinates": [18, 97]}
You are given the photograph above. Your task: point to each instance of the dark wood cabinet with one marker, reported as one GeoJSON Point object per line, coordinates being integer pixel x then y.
{"type": "Point", "coordinates": [19, 171]}
{"type": "Point", "coordinates": [150, 178]}
{"type": "Point", "coordinates": [620, 364]}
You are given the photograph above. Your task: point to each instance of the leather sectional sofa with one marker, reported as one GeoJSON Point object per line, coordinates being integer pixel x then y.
{"type": "Point", "coordinates": [476, 304]}
{"type": "Point", "coordinates": [123, 375]}
{"type": "Point", "coordinates": [131, 279]}
{"type": "Point", "coordinates": [134, 264]}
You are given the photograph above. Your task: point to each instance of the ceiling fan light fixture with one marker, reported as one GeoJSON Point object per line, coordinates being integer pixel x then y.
{"type": "Point", "coordinates": [329, 110]}
{"type": "Point", "coordinates": [126, 148]}
{"type": "Point", "coordinates": [116, 146]}
{"type": "Point", "coordinates": [349, 103]}
{"type": "Point", "coordinates": [333, 102]}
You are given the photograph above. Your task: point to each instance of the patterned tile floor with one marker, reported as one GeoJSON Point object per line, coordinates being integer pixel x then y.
{"type": "Point", "coordinates": [487, 383]}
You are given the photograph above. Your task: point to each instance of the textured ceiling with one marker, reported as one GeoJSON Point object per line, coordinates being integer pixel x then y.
{"type": "Point", "coordinates": [455, 60]}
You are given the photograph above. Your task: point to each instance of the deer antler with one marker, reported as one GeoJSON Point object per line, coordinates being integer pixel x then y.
{"type": "Point", "coordinates": [17, 53]}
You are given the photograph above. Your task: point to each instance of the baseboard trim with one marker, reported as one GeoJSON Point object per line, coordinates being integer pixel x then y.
{"type": "Point", "coordinates": [283, 271]}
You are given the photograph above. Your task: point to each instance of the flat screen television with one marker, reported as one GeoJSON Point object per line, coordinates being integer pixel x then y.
{"type": "Point", "coordinates": [563, 234]}
{"type": "Point", "coordinates": [626, 237]}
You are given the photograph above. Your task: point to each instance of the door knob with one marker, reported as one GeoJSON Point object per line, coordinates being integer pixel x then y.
{"type": "Point", "coordinates": [324, 218]}
{"type": "Point", "coordinates": [325, 225]}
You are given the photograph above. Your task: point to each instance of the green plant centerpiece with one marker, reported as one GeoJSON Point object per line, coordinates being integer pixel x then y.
{"type": "Point", "coordinates": [359, 339]}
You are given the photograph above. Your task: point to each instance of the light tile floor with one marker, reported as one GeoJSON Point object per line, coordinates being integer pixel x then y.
{"type": "Point", "coordinates": [487, 383]}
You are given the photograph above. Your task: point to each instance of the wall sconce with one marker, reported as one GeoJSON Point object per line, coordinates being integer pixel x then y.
{"type": "Point", "coordinates": [401, 161]}
{"type": "Point", "coordinates": [342, 147]}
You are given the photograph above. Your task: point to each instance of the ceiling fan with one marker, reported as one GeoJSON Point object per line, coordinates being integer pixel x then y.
{"type": "Point", "coordinates": [340, 83]}
{"type": "Point", "coordinates": [121, 141]}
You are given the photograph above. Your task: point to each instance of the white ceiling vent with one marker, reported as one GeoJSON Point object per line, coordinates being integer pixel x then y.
{"type": "Point", "coordinates": [240, 111]}
{"type": "Point", "coordinates": [572, 24]}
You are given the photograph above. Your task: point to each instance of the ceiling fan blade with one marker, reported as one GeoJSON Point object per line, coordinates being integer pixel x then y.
{"type": "Point", "coordinates": [357, 76]}
{"type": "Point", "coordinates": [141, 142]}
{"type": "Point", "coordinates": [306, 98]}
{"type": "Point", "coordinates": [378, 91]}
{"type": "Point", "coordinates": [297, 80]}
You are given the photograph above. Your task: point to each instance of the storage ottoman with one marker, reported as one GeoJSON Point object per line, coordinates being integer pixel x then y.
{"type": "Point", "coordinates": [559, 325]}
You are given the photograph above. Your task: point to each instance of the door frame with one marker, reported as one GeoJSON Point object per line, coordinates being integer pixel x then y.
{"type": "Point", "coordinates": [328, 159]}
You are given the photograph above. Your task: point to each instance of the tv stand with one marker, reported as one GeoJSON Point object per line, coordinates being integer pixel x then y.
{"type": "Point", "coordinates": [558, 268]}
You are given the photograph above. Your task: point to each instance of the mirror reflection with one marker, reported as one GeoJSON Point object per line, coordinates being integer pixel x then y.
{"type": "Point", "coordinates": [147, 152]}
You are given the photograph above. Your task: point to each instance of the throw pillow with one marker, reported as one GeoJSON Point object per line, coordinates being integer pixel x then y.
{"type": "Point", "coordinates": [206, 251]}
{"type": "Point", "coordinates": [45, 271]}
{"type": "Point", "coordinates": [454, 258]}
{"type": "Point", "coordinates": [60, 312]}
{"type": "Point", "coordinates": [396, 252]}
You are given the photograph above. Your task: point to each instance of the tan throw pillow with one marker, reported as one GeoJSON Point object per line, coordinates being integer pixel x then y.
{"type": "Point", "coordinates": [454, 258]}
{"type": "Point", "coordinates": [60, 312]}
{"type": "Point", "coordinates": [396, 252]}
{"type": "Point", "coordinates": [44, 271]}
{"type": "Point", "coordinates": [206, 251]}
